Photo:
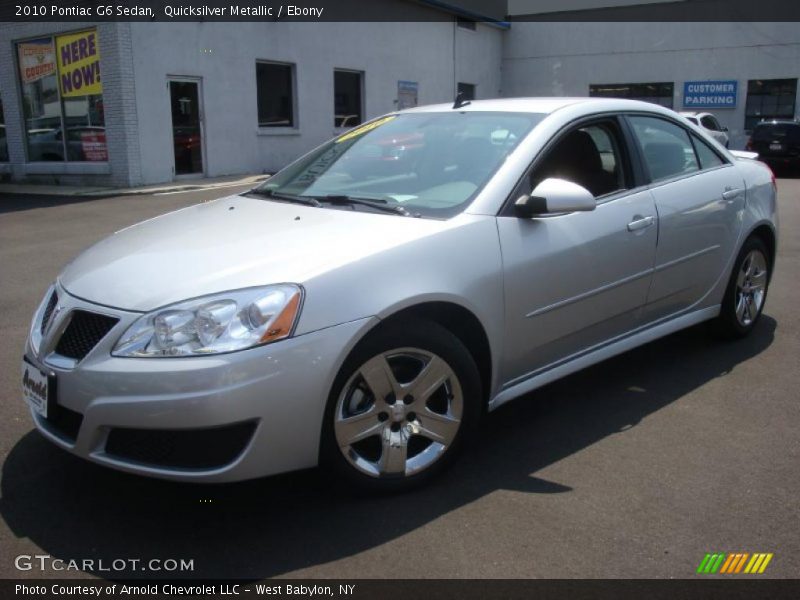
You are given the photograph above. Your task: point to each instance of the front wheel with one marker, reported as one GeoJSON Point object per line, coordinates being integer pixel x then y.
{"type": "Point", "coordinates": [401, 407]}
{"type": "Point", "coordinates": [746, 291]}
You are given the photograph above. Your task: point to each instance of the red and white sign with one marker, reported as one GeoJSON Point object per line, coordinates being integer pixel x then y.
{"type": "Point", "coordinates": [93, 144]}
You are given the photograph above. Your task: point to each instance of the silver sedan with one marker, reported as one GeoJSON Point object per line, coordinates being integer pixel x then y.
{"type": "Point", "coordinates": [364, 307]}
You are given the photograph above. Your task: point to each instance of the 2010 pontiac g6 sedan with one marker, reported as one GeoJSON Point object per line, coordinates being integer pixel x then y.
{"type": "Point", "coordinates": [367, 304]}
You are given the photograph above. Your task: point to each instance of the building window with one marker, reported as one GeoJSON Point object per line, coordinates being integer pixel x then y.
{"type": "Point", "coordinates": [769, 99]}
{"type": "Point", "coordinates": [62, 98]}
{"type": "Point", "coordinates": [657, 93]}
{"type": "Point", "coordinates": [467, 91]}
{"type": "Point", "coordinates": [465, 23]}
{"type": "Point", "coordinates": [347, 98]}
{"type": "Point", "coordinates": [3, 143]}
{"type": "Point", "coordinates": [275, 94]}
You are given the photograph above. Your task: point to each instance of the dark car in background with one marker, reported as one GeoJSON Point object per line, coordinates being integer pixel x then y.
{"type": "Point", "coordinates": [777, 143]}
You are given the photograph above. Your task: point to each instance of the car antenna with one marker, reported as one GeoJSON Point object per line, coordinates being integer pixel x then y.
{"type": "Point", "coordinates": [459, 102]}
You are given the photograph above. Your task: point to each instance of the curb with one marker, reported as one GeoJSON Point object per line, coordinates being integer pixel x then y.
{"type": "Point", "coordinates": [65, 191]}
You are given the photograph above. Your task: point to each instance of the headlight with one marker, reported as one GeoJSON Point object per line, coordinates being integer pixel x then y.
{"type": "Point", "coordinates": [213, 324]}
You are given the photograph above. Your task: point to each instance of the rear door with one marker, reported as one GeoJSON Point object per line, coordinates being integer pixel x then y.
{"type": "Point", "coordinates": [699, 196]}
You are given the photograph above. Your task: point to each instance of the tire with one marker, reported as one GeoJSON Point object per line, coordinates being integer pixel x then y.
{"type": "Point", "coordinates": [746, 292]}
{"type": "Point", "coordinates": [376, 434]}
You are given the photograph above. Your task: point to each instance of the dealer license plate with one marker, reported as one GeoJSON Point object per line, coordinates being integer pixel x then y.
{"type": "Point", "coordinates": [775, 147]}
{"type": "Point", "coordinates": [35, 388]}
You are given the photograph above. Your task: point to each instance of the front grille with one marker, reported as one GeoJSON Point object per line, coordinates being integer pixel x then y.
{"type": "Point", "coordinates": [84, 331]}
{"type": "Point", "coordinates": [48, 311]}
{"type": "Point", "coordinates": [181, 448]}
{"type": "Point", "coordinates": [63, 422]}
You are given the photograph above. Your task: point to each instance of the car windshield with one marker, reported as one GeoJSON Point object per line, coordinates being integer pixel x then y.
{"type": "Point", "coordinates": [427, 164]}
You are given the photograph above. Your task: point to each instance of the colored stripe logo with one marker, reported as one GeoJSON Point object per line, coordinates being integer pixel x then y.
{"type": "Point", "coordinates": [733, 563]}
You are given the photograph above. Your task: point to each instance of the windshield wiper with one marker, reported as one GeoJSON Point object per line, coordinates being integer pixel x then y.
{"type": "Point", "coordinates": [371, 202]}
{"type": "Point", "coordinates": [287, 197]}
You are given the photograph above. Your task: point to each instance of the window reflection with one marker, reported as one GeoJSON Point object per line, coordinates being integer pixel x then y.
{"type": "Point", "coordinates": [58, 127]}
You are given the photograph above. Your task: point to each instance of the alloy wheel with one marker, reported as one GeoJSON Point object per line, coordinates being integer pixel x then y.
{"type": "Point", "coordinates": [751, 286]}
{"type": "Point", "coordinates": [398, 413]}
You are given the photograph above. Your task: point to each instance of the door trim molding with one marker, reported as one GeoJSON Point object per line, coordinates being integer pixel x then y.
{"type": "Point", "coordinates": [686, 257]}
{"type": "Point", "coordinates": [590, 293]}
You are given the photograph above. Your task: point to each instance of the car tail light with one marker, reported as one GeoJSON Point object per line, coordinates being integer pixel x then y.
{"type": "Point", "coordinates": [772, 176]}
{"type": "Point", "coordinates": [749, 145]}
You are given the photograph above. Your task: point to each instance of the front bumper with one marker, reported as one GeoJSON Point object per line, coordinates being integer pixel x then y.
{"type": "Point", "coordinates": [272, 397]}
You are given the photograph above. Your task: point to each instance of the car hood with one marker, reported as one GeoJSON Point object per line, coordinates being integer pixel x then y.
{"type": "Point", "coordinates": [230, 243]}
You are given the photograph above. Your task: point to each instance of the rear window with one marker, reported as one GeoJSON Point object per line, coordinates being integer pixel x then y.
{"type": "Point", "coordinates": [776, 130]}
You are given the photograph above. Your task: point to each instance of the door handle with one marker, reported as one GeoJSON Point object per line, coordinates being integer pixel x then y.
{"type": "Point", "coordinates": [640, 223]}
{"type": "Point", "coordinates": [731, 193]}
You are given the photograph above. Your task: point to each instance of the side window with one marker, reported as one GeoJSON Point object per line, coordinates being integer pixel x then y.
{"type": "Point", "coordinates": [590, 156]}
{"type": "Point", "coordinates": [710, 122]}
{"type": "Point", "coordinates": [667, 150]}
{"type": "Point", "coordinates": [708, 158]}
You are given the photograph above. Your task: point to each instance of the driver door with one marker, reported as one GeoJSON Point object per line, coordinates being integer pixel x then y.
{"type": "Point", "coordinates": [573, 281]}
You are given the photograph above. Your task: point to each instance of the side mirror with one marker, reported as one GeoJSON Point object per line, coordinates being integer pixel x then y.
{"type": "Point", "coordinates": [724, 128]}
{"type": "Point", "coordinates": [554, 196]}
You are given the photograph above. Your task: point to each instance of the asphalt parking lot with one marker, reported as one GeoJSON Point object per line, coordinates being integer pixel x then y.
{"type": "Point", "coordinates": [634, 468]}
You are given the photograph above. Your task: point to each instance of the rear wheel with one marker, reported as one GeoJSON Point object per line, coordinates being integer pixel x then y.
{"type": "Point", "coordinates": [746, 292]}
{"type": "Point", "coordinates": [401, 407]}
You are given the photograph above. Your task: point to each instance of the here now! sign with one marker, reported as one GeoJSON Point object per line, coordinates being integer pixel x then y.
{"type": "Point", "coordinates": [78, 56]}
{"type": "Point", "coordinates": [710, 94]}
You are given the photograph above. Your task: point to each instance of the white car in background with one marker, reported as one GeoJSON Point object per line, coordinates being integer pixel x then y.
{"type": "Point", "coordinates": [711, 125]}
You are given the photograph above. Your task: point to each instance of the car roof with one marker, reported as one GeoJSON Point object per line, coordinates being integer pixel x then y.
{"type": "Point", "coordinates": [541, 105]}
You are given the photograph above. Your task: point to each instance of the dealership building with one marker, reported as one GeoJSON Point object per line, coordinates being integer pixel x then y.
{"type": "Point", "coordinates": [136, 103]}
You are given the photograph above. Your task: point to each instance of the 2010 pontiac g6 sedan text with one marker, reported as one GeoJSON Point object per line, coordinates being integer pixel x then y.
{"type": "Point", "coordinates": [366, 305]}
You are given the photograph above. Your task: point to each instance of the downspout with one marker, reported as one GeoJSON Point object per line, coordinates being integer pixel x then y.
{"type": "Point", "coordinates": [455, 73]}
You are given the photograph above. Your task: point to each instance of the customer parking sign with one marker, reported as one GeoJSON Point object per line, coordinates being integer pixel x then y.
{"type": "Point", "coordinates": [709, 94]}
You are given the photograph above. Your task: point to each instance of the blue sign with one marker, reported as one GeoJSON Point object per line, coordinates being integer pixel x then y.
{"type": "Point", "coordinates": [709, 94]}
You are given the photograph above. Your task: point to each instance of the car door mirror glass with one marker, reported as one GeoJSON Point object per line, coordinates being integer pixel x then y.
{"type": "Point", "coordinates": [553, 196]}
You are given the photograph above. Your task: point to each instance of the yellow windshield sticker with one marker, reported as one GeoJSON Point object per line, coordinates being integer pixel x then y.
{"type": "Point", "coordinates": [363, 129]}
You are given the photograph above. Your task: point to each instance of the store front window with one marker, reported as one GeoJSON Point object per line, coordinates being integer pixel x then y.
{"type": "Point", "coordinates": [347, 94]}
{"type": "Point", "coordinates": [660, 93]}
{"type": "Point", "coordinates": [769, 99]}
{"type": "Point", "coordinates": [62, 97]}
{"type": "Point", "coordinates": [3, 143]}
{"type": "Point", "coordinates": [275, 94]}
{"type": "Point", "coordinates": [466, 90]}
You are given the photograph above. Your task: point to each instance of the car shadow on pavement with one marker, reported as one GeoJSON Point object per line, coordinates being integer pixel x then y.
{"type": "Point", "coordinates": [72, 509]}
